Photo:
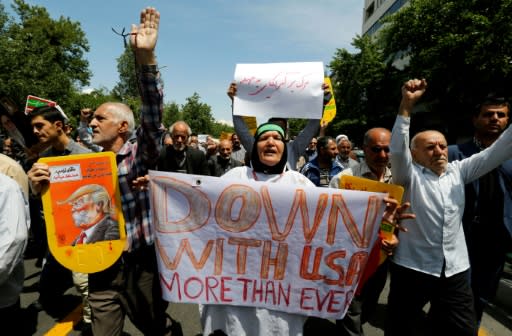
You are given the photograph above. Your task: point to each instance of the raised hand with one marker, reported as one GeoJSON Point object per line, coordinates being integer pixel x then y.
{"type": "Point", "coordinates": [143, 38]}
{"type": "Point", "coordinates": [412, 90]}
{"type": "Point", "coordinates": [231, 90]}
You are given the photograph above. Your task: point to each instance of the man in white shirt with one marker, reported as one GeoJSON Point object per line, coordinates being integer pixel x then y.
{"type": "Point", "coordinates": [14, 226]}
{"type": "Point", "coordinates": [431, 262]}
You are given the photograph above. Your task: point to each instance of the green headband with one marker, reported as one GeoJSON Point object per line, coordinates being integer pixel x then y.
{"type": "Point", "coordinates": [269, 127]}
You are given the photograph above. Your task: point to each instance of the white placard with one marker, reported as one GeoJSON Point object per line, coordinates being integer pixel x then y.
{"type": "Point", "coordinates": [284, 90]}
{"type": "Point", "coordinates": [65, 173]}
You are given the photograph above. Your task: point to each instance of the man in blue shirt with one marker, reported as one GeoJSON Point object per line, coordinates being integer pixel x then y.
{"type": "Point", "coordinates": [324, 166]}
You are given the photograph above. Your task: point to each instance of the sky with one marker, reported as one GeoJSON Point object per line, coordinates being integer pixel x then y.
{"type": "Point", "coordinates": [201, 41]}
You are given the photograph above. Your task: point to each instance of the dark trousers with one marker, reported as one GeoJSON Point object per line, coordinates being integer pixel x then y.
{"type": "Point", "coordinates": [130, 287]}
{"type": "Point", "coordinates": [363, 306]}
{"type": "Point", "coordinates": [451, 300]}
{"type": "Point", "coordinates": [11, 319]}
{"type": "Point", "coordinates": [54, 281]}
{"type": "Point", "coordinates": [487, 259]}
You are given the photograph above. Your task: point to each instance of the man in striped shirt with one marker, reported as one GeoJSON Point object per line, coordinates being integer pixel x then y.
{"type": "Point", "coordinates": [131, 285]}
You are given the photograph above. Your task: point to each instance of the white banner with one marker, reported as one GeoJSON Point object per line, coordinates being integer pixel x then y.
{"type": "Point", "coordinates": [284, 90]}
{"type": "Point", "coordinates": [283, 247]}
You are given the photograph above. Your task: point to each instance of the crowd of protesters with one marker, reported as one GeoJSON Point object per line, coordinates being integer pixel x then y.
{"type": "Point", "coordinates": [450, 254]}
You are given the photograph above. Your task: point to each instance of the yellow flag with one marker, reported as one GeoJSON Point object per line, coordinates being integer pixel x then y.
{"type": "Point", "coordinates": [252, 124]}
{"type": "Point", "coordinates": [330, 107]}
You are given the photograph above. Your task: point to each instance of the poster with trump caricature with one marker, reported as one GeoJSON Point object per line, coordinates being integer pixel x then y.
{"type": "Point", "coordinates": [82, 209]}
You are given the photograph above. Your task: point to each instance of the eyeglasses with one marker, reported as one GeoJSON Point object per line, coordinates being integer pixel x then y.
{"type": "Point", "coordinates": [312, 143]}
{"type": "Point", "coordinates": [378, 149]}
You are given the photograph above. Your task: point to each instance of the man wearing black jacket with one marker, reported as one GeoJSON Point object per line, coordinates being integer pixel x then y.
{"type": "Point", "coordinates": [180, 158]}
{"type": "Point", "coordinates": [222, 162]}
{"type": "Point", "coordinates": [487, 220]}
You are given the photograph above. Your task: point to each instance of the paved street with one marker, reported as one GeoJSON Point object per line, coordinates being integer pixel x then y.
{"type": "Point", "coordinates": [497, 321]}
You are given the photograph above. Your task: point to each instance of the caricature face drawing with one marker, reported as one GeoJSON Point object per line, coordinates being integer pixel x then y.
{"type": "Point", "coordinates": [91, 211]}
{"type": "Point", "coordinates": [85, 212]}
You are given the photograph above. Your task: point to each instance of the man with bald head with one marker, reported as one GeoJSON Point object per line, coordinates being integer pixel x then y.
{"type": "Point", "coordinates": [431, 262]}
{"type": "Point", "coordinates": [374, 167]}
{"type": "Point", "coordinates": [430, 150]}
{"type": "Point", "coordinates": [222, 162]}
{"type": "Point", "coordinates": [181, 157]}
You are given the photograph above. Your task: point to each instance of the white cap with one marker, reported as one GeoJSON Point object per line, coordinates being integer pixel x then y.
{"type": "Point", "coordinates": [341, 137]}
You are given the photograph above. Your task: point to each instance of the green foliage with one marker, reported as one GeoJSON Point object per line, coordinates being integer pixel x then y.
{"type": "Point", "coordinates": [218, 128]}
{"type": "Point", "coordinates": [41, 56]}
{"type": "Point", "coordinates": [194, 112]}
{"type": "Point", "coordinates": [365, 89]}
{"type": "Point", "coordinates": [78, 101]}
{"type": "Point", "coordinates": [127, 85]}
{"type": "Point", "coordinates": [295, 126]}
{"type": "Point", "coordinates": [198, 115]}
{"type": "Point", "coordinates": [45, 58]}
{"type": "Point", "coordinates": [462, 47]}
{"type": "Point", "coordinates": [172, 114]}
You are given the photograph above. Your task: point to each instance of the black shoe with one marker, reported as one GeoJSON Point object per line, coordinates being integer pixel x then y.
{"type": "Point", "coordinates": [173, 327]}
{"type": "Point", "coordinates": [86, 329]}
{"type": "Point", "coordinates": [36, 306]}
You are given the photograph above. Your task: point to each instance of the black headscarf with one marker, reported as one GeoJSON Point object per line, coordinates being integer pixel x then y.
{"type": "Point", "coordinates": [259, 166]}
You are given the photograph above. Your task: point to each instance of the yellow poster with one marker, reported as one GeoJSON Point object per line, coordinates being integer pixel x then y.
{"type": "Point", "coordinates": [225, 136]}
{"type": "Point", "coordinates": [330, 107]}
{"type": "Point", "coordinates": [364, 184]}
{"type": "Point", "coordinates": [251, 123]}
{"type": "Point", "coordinates": [82, 209]}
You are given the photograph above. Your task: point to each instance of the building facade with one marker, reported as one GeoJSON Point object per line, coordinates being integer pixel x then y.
{"type": "Point", "coordinates": [374, 10]}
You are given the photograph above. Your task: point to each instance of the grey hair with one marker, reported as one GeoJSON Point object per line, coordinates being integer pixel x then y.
{"type": "Point", "coordinates": [180, 122]}
{"type": "Point", "coordinates": [122, 112]}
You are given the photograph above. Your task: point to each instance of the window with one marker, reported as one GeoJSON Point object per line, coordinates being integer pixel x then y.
{"type": "Point", "coordinates": [370, 10]}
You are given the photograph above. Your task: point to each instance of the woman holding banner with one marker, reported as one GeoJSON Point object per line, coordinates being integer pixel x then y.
{"type": "Point", "coordinates": [268, 163]}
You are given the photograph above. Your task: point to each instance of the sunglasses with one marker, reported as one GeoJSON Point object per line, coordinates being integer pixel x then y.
{"type": "Point", "coordinates": [377, 149]}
